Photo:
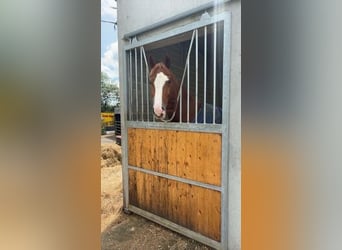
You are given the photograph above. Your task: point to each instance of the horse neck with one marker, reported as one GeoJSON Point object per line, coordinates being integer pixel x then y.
{"type": "Point", "coordinates": [172, 105]}
{"type": "Point", "coordinates": [183, 100]}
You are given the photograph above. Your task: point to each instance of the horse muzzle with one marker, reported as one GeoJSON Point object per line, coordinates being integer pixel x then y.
{"type": "Point", "coordinates": [159, 112]}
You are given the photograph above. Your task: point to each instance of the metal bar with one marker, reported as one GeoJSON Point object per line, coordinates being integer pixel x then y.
{"type": "Point", "coordinates": [214, 72]}
{"type": "Point", "coordinates": [176, 178]}
{"type": "Point", "coordinates": [206, 128]}
{"type": "Point", "coordinates": [147, 85]}
{"type": "Point", "coordinates": [177, 31]}
{"type": "Point", "coordinates": [196, 100]}
{"type": "Point", "coordinates": [229, 148]}
{"type": "Point", "coordinates": [180, 103]}
{"type": "Point", "coordinates": [123, 109]}
{"type": "Point", "coordinates": [188, 91]}
{"type": "Point", "coordinates": [142, 84]}
{"type": "Point", "coordinates": [175, 227]}
{"type": "Point", "coordinates": [205, 77]}
{"type": "Point", "coordinates": [147, 92]}
{"type": "Point", "coordinates": [185, 70]}
{"type": "Point", "coordinates": [174, 18]}
{"type": "Point", "coordinates": [136, 83]}
{"type": "Point", "coordinates": [130, 85]}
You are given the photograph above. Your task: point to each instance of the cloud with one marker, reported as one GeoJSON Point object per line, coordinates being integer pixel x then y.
{"type": "Point", "coordinates": [107, 11]}
{"type": "Point", "coordinates": [110, 62]}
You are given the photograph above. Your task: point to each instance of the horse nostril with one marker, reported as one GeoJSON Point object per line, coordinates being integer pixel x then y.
{"type": "Point", "coordinates": [163, 108]}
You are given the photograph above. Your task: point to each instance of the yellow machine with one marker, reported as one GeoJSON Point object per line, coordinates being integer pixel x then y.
{"type": "Point", "coordinates": [107, 118]}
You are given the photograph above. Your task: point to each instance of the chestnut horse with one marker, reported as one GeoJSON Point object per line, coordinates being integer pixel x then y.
{"type": "Point", "coordinates": [165, 88]}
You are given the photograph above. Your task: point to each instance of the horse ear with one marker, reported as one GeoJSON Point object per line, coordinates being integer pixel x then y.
{"type": "Point", "coordinates": [151, 62]}
{"type": "Point", "coordinates": [167, 62]}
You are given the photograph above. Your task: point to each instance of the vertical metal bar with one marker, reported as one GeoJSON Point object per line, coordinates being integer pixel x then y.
{"type": "Point", "coordinates": [130, 86]}
{"type": "Point", "coordinates": [142, 84]}
{"type": "Point", "coordinates": [147, 93]}
{"type": "Point", "coordinates": [205, 77]}
{"type": "Point", "coordinates": [180, 103]}
{"type": "Point", "coordinates": [230, 169]}
{"type": "Point", "coordinates": [185, 70]}
{"type": "Point", "coordinates": [214, 72]}
{"type": "Point", "coordinates": [196, 100]}
{"type": "Point", "coordinates": [188, 91]}
{"type": "Point", "coordinates": [147, 85]}
{"type": "Point", "coordinates": [136, 82]}
{"type": "Point", "coordinates": [153, 117]}
{"type": "Point", "coordinates": [124, 116]}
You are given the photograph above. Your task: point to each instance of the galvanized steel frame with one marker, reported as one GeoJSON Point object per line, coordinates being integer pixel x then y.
{"type": "Point", "coordinates": [176, 178]}
{"type": "Point", "coordinates": [177, 228]}
{"type": "Point", "coordinates": [222, 129]}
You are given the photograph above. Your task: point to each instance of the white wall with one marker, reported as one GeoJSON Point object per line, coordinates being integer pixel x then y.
{"type": "Point", "coordinates": [134, 14]}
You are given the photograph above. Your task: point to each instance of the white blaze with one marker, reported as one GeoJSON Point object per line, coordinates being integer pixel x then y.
{"type": "Point", "coordinates": [159, 83]}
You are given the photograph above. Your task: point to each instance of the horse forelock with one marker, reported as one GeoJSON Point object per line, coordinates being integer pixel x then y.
{"type": "Point", "coordinates": [160, 67]}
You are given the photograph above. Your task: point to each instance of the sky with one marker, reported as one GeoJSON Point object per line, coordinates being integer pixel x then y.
{"type": "Point", "coordinates": [109, 41]}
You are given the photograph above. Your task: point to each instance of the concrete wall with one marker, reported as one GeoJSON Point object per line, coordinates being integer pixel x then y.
{"type": "Point", "coordinates": [135, 14]}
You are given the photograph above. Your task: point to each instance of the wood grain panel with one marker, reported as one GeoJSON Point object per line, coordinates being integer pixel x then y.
{"type": "Point", "coordinates": [191, 155]}
{"type": "Point", "coordinates": [193, 207]}
{"type": "Point", "coordinates": [131, 147]}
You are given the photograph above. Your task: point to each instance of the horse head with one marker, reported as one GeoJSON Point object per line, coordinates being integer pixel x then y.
{"type": "Point", "coordinates": [163, 87]}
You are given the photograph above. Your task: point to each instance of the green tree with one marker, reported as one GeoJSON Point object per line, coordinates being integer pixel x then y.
{"type": "Point", "coordinates": [110, 94]}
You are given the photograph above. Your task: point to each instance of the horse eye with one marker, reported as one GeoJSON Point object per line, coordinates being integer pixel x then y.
{"type": "Point", "coordinates": [168, 82]}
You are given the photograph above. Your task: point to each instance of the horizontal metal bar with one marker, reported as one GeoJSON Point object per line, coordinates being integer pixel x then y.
{"type": "Point", "coordinates": [174, 18]}
{"type": "Point", "coordinates": [175, 227]}
{"type": "Point", "coordinates": [176, 178]}
{"type": "Point", "coordinates": [176, 31]}
{"type": "Point", "coordinates": [199, 127]}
